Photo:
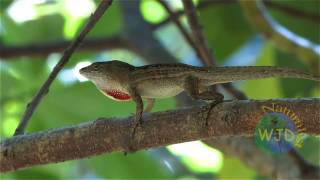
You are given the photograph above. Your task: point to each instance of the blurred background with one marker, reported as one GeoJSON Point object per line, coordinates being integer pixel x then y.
{"type": "Point", "coordinates": [33, 34]}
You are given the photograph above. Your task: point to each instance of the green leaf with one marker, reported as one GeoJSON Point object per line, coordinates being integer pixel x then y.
{"type": "Point", "coordinates": [310, 150]}
{"type": "Point", "coordinates": [300, 26]}
{"type": "Point", "coordinates": [234, 169]}
{"type": "Point", "coordinates": [21, 76]}
{"type": "Point", "coordinates": [49, 171]}
{"type": "Point", "coordinates": [43, 29]}
{"type": "Point", "coordinates": [294, 87]}
{"type": "Point", "coordinates": [264, 88]}
{"type": "Point", "coordinates": [110, 23]}
{"type": "Point", "coordinates": [4, 4]}
{"type": "Point", "coordinates": [225, 28]}
{"type": "Point", "coordinates": [132, 166]}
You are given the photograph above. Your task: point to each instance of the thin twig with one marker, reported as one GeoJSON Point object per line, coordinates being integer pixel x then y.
{"type": "Point", "coordinates": [183, 30]}
{"type": "Point", "coordinates": [196, 28]}
{"type": "Point", "coordinates": [103, 6]}
{"type": "Point", "coordinates": [106, 135]}
{"type": "Point", "coordinates": [201, 43]}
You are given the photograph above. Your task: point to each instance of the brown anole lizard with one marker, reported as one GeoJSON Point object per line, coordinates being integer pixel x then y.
{"type": "Point", "coordinates": [121, 81]}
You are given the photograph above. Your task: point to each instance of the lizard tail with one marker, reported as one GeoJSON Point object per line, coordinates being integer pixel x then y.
{"type": "Point", "coordinates": [230, 74]}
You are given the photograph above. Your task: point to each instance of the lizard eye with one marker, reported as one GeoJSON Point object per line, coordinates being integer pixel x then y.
{"type": "Point", "coordinates": [95, 67]}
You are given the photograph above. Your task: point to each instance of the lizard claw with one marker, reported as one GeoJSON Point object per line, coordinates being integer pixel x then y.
{"type": "Point", "coordinates": [137, 122]}
{"type": "Point", "coordinates": [217, 98]}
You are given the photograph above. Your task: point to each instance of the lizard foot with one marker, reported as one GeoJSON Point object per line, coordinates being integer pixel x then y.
{"type": "Point", "coordinates": [130, 141]}
{"type": "Point", "coordinates": [137, 122]}
{"type": "Point", "coordinates": [210, 96]}
{"type": "Point", "coordinates": [214, 99]}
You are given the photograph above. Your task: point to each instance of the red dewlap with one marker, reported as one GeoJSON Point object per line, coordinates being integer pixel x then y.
{"type": "Point", "coordinates": [118, 94]}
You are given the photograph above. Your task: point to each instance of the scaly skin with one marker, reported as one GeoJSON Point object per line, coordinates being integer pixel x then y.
{"type": "Point", "coordinates": [121, 81]}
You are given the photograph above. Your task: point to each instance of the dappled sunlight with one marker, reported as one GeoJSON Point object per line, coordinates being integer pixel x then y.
{"type": "Point", "coordinates": [74, 12]}
{"type": "Point", "coordinates": [79, 8]}
{"type": "Point", "coordinates": [152, 11]}
{"type": "Point", "coordinates": [10, 113]}
{"type": "Point", "coordinates": [198, 156]}
{"type": "Point", "coordinates": [23, 10]}
{"type": "Point", "coordinates": [9, 125]}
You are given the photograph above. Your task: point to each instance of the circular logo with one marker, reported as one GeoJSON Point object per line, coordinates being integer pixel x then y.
{"type": "Point", "coordinates": [275, 132]}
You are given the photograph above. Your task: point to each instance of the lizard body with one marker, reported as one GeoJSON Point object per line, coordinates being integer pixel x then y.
{"type": "Point", "coordinates": [122, 81]}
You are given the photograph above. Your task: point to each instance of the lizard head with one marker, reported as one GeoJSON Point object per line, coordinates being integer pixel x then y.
{"type": "Point", "coordinates": [110, 77]}
{"type": "Point", "coordinates": [107, 73]}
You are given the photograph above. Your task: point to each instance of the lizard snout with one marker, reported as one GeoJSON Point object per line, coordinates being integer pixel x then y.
{"type": "Point", "coordinates": [84, 71]}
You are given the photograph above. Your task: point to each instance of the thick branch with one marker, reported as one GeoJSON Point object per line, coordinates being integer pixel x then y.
{"type": "Point", "coordinates": [237, 118]}
{"type": "Point", "coordinates": [103, 6]}
{"type": "Point", "coordinates": [282, 37]}
{"type": "Point", "coordinates": [112, 42]}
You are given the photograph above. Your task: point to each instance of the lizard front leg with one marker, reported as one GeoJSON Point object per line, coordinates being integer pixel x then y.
{"type": "Point", "coordinates": [139, 104]}
{"type": "Point", "coordinates": [139, 107]}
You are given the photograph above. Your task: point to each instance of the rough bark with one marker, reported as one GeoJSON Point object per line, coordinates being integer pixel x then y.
{"type": "Point", "coordinates": [106, 135]}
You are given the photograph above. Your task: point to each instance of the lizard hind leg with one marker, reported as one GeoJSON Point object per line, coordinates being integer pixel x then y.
{"type": "Point", "coordinates": [199, 92]}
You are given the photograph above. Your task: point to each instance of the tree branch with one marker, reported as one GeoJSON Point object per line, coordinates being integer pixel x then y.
{"type": "Point", "coordinates": [103, 6]}
{"type": "Point", "coordinates": [237, 118]}
{"type": "Point", "coordinates": [190, 11]}
{"type": "Point", "coordinates": [282, 37]}
{"type": "Point", "coordinates": [112, 42]}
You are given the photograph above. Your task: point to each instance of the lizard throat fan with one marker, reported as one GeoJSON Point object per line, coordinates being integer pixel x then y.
{"type": "Point", "coordinates": [116, 95]}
